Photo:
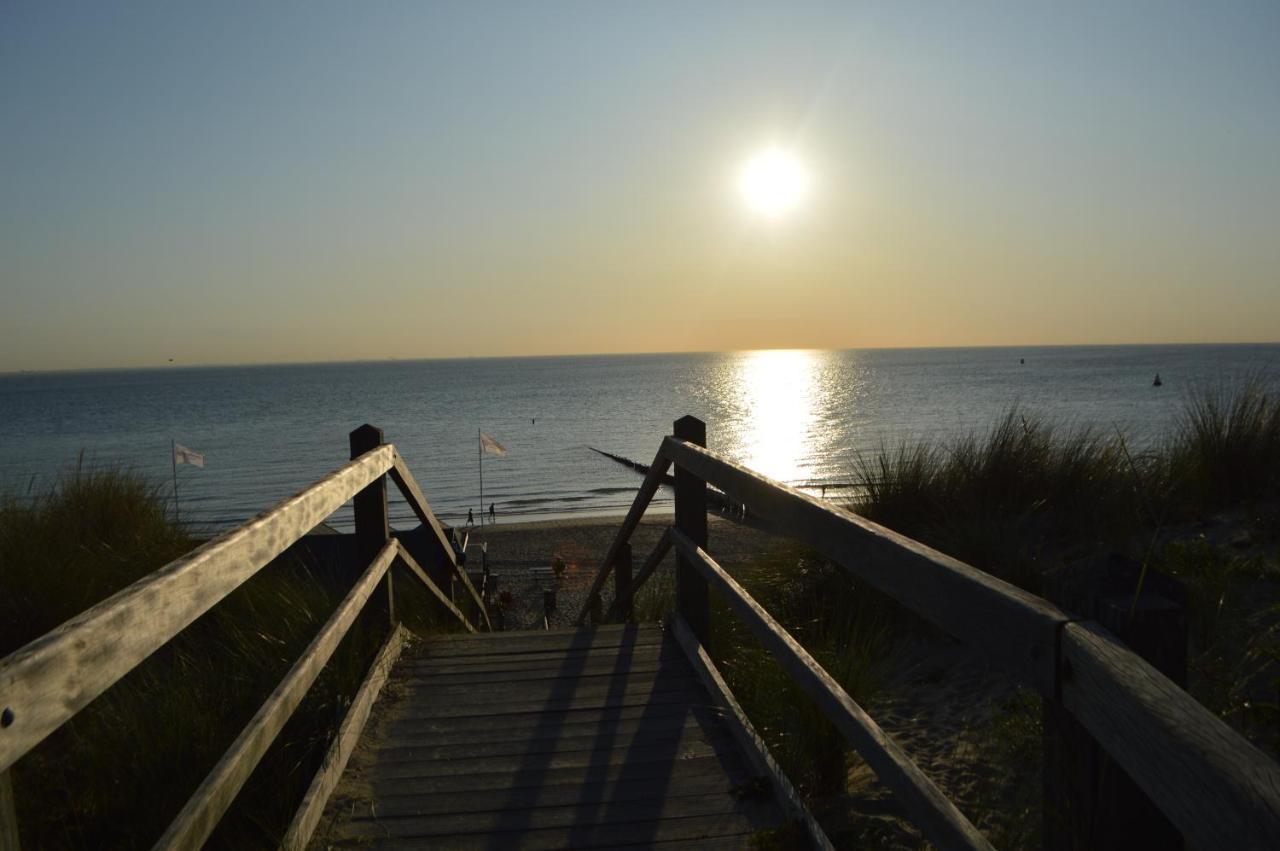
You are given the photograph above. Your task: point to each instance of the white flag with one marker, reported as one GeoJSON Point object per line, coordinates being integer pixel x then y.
{"type": "Point", "coordinates": [186, 455]}
{"type": "Point", "coordinates": [491, 446]}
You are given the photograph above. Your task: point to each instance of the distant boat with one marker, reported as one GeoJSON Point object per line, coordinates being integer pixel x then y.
{"type": "Point", "coordinates": [1157, 382]}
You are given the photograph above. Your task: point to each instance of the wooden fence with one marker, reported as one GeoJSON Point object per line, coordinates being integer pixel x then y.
{"type": "Point", "coordinates": [1217, 789]}
{"type": "Point", "coordinates": [44, 684]}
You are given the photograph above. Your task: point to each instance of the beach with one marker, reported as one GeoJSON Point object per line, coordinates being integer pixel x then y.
{"type": "Point", "coordinates": [521, 555]}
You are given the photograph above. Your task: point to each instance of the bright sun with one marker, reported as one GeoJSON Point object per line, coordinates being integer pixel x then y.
{"type": "Point", "coordinates": [773, 182]}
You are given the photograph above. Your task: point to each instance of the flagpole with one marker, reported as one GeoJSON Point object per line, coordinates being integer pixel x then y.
{"type": "Point", "coordinates": [173, 456]}
{"type": "Point", "coordinates": [480, 465]}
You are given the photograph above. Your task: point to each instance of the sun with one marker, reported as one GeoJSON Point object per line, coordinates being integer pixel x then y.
{"type": "Point", "coordinates": [773, 182]}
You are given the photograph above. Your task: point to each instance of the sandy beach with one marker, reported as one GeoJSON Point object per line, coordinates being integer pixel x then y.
{"type": "Point", "coordinates": [521, 555]}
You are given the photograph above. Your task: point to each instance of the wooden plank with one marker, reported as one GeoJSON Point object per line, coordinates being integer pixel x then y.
{"type": "Point", "coordinates": [532, 797]}
{"type": "Point", "coordinates": [553, 695]}
{"type": "Point", "coordinates": [692, 600]}
{"type": "Point", "coordinates": [753, 747]}
{"type": "Point", "coordinates": [537, 719]}
{"type": "Point", "coordinates": [200, 815]}
{"type": "Point", "coordinates": [442, 597]}
{"type": "Point", "coordinates": [543, 662]}
{"type": "Point", "coordinates": [9, 839]}
{"type": "Point", "coordinates": [54, 677]}
{"type": "Point", "coordinates": [498, 711]}
{"type": "Point", "coordinates": [929, 809]}
{"type": "Point", "coordinates": [676, 833]}
{"type": "Point", "coordinates": [335, 759]}
{"type": "Point", "coordinates": [574, 777]}
{"type": "Point", "coordinates": [552, 644]}
{"type": "Point", "coordinates": [668, 756]}
{"type": "Point", "coordinates": [651, 562]}
{"type": "Point", "coordinates": [517, 678]}
{"type": "Point", "coordinates": [1218, 789]}
{"type": "Point", "coordinates": [393, 750]}
{"type": "Point", "coordinates": [538, 739]}
{"type": "Point", "coordinates": [512, 635]}
{"type": "Point", "coordinates": [503, 823]}
{"type": "Point", "coordinates": [1008, 624]}
{"type": "Point", "coordinates": [418, 502]}
{"type": "Point", "coordinates": [698, 831]}
{"type": "Point", "coordinates": [649, 487]}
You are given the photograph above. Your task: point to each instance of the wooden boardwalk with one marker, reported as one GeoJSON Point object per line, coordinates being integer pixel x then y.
{"type": "Point", "coordinates": [598, 737]}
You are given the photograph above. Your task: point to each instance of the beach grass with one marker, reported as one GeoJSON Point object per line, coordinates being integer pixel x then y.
{"type": "Point", "coordinates": [121, 769]}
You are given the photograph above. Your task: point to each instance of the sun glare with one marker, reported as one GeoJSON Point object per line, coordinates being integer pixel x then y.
{"type": "Point", "coordinates": [773, 182]}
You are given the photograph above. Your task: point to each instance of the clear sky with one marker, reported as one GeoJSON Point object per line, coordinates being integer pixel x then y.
{"type": "Point", "coordinates": [258, 182]}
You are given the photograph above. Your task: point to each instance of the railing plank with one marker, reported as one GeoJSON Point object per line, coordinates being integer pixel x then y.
{"type": "Point", "coordinates": [754, 747]}
{"type": "Point", "coordinates": [205, 807]}
{"type": "Point", "coordinates": [432, 587]}
{"type": "Point", "coordinates": [649, 487]}
{"type": "Point", "coordinates": [335, 759]}
{"type": "Point", "coordinates": [924, 802]}
{"type": "Point", "coordinates": [1007, 623]}
{"type": "Point", "coordinates": [418, 502]}
{"type": "Point", "coordinates": [651, 562]}
{"type": "Point", "coordinates": [54, 677]}
{"type": "Point", "coordinates": [1218, 789]}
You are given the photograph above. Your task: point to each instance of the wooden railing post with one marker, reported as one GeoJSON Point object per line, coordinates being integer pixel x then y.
{"type": "Point", "coordinates": [692, 597]}
{"type": "Point", "coordinates": [622, 582]}
{"type": "Point", "coordinates": [373, 529]}
{"type": "Point", "coordinates": [1090, 802]}
{"type": "Point", "coordinates": [8, 813]}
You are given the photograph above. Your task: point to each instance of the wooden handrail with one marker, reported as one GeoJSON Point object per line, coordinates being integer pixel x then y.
{"type": "Point", "coordinates": [206, 805]}
{"type": "Point", "coordinates": [49, 680]}
{"type": "Point", "coordinates": [931, 810]}
{"type": "Point", "coordinates": [435, 590]}
{"type": "Point", "coordinates": [330, 771]}
{"type": "Point", "coordinates": [1001, 619]}
{"type": "Point", "coordinates": [644, 496]}
{"type": "Point", "coordinates": [1208, 780]}
{"type": "Point", "coordinates": [418, 502]}
{"type": "Point", "coordinates": [1217, 788]}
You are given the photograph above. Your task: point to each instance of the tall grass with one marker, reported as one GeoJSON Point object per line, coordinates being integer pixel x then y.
{"type": "Point", "coordinates": [1002, 499]}
{"type": "Point", "coordinates": [1227, 446]}
{"type": "Point", "coordinates": [120, 770]}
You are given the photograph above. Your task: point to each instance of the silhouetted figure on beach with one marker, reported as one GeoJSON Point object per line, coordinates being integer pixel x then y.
{"type": "Point", "coordinates": [493, 515]}
{"type": "Point", "coordinates": [471, 520]}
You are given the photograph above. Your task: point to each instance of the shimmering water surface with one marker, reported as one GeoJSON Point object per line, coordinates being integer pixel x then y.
{"type": "Point", "coordinates": [799, 416]}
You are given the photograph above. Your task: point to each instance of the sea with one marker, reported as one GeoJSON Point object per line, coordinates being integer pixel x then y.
{"type": "Point", "coordinates": [804, 417]}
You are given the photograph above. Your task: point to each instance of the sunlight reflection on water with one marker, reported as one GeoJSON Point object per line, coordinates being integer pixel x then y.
{"type": "Point", "coordinates": [789, 408]}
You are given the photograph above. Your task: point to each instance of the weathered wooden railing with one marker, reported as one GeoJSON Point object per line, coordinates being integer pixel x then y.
{"type": "Point", "coordinates": [44, 684]}
{"type": "Point", "coordinates": [1216, 788]}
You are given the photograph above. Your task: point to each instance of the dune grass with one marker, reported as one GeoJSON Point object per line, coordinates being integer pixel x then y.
{"type": "Point", "coordinates": [117, 773]}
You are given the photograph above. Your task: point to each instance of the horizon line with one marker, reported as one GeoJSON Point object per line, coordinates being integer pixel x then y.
{"type": "Point", "coordinates": [353, 361]}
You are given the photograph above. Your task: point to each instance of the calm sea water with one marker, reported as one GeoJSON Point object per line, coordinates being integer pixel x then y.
{"type": "Point", "coordinates": [799, 416]}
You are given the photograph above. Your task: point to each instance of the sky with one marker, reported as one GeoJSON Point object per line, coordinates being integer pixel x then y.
{"type": "Point", "coordinates": [247, 182]}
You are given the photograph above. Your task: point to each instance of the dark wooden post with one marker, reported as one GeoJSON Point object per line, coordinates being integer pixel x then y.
{"type": "Point", "coordinates": [622, 581]}
{"type": "Point", "coordinates": [8, 813]}
{"type": "Point", "coordinates": [373, 529]}
{"type": "Point", "coordinates": [692, 600]}
{"type": "Point", "coordinates": [1090, 802]}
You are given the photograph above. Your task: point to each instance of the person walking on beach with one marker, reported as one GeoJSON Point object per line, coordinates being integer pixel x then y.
{"type": "Point", "coordinates": [471, 520]}
{"type": "Point", "coordinates": [493, 516]}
